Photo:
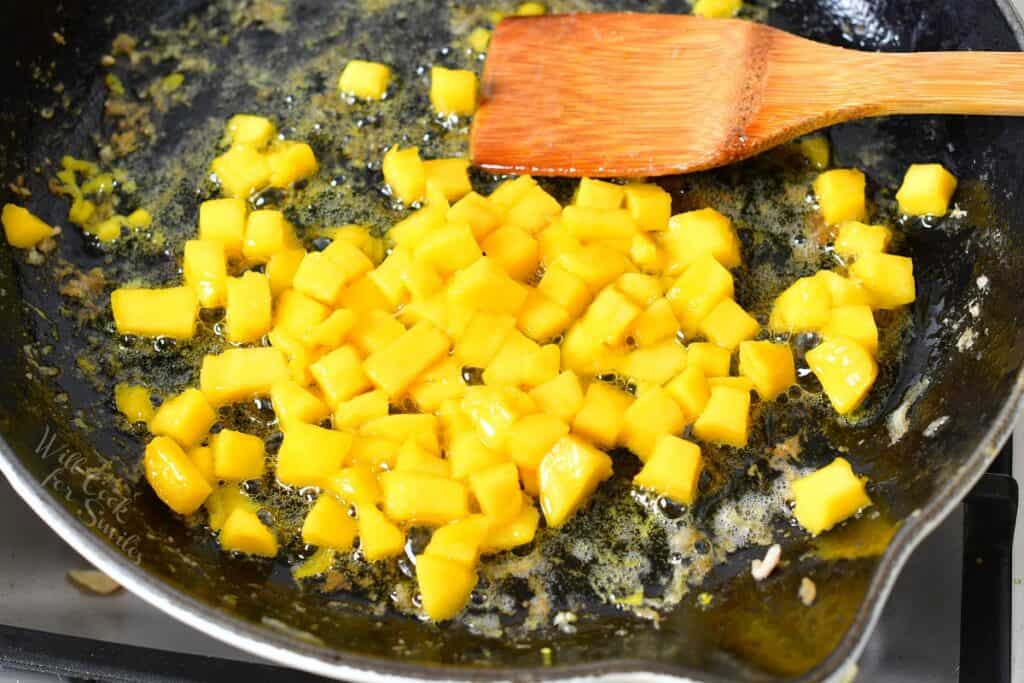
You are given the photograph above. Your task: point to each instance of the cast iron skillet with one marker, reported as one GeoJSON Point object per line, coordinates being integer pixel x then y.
{"type": "Point", "coordinates": [62, 454]}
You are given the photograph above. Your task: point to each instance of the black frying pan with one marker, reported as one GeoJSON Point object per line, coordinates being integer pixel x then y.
{"type": "Point", "coordinates": [69, 456]}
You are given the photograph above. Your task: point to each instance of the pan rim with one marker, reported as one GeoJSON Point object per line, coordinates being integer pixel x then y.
{"type": "Point", "coordinates": [277, 648]}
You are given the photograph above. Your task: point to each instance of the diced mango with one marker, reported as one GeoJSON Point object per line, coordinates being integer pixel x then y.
{"type": "Point", "coordinates": [404, 174]}
{"type": "Point", "coordinates": [514, 250]}
{"type": "Point", "coordinates": [423, 498]}
{"type": "Point", "coordinates": [294, 404]}
{"type": "Point", "coordinates": [202, 458]}
{"type": "Point", "coordinates": [531, 437]}
{"type": "Point", "coordinates": [508, 193]}
{"type": "Point", "coordinates": [250, 131]}
{"type": "Point", "coordinates": [205, 270]}
{"type": "Point", "coordinates": [846, 371]}
{"type": "Point", "coordinates": [364, 295]}
{"type": "Point", "coordinates": [374, 330]}
{"type": "Point", "coordinates": [493, 410]}
{"type": "Point", "coordinates": [561, 396]}
{"type": "Point", "coordinates": [727, 324]}
{"type": "Point", "coordinates": [482, 338]}
{"type": "Point", "coordinates": [542, 319]}
{"type": "Point", "coordinates": [340, 375]}
{"type": "Point", "coordinates": [478, 212]}
{"type": "Point", "coordinates": [565, 289]}
{"type": "Point", "coordinates": [368, 80]}
{"type": "Point", "coordinates": [646, 254]}
{"type": "Point", "coordinates": [242, 171]}
{"type": "Point", "coordinates": [610, 316]}
{"type": "Point", "coordinates": [479, 38]}
{"type": "Point", "coordinates": [657, 363]}
{"type": "Point", "coordinates": [853, 322]}
{"type": "Point", "coordinates": [698, 290]}
{"type": "Point", "coordinates": [395, 366]}
{"type": "Point", "coordinates": [496, 490]}
{"type": "Point", "coordinates": [332, 331]}
{"type": "Point", "coordinates": [223, 220]}
{"type": "Point", "coordinates": [655, 324]}
{"type": "Point", "coordinates": [816, 150]}
{"type": "Point", "coordinates": [186, 418]}
{"type": "Point", "coordinates": [725, 418]}
{"type": "Point", "coordinates": [531, 9]}
{"type": "Point", "coordinates": [460, 541]}
{"type": "Point", "coordinates": [519, 531]}
{"type": "Point", "coordinates": [712, 360]}
{"type": "Point", "coordinates": [842, 290]}
{"type": "Point", "coordinates": [650, 206]}
{"type": "Point", "coordinates": [453, 91]}
{"type": "Point", "coordinates": [237, 375]}
{"type": "Point", "coordinates": [452, 175]}
{"type": "Point", "coordinates": [319, 277]}
{"type": "Point", "coordinates": [267, 232]}
{"type": "Point", "coordinates": [696, 233]}
{"type": "Point", "coordinates": [444, 585]}
{"type": "Point", "coordinates": [328, 525]}
{"type": "Point", "coordinates": [602, 415]}
{"type": "Point", "coordinates": [889, 279]}
{"type": "Point", "coordinates": [441, 382]}
{"type": "Point", "coordinates": [555, 241]}
{"type": "Point", "coordinates": [174, 477]}
{"type": "Point", "coordinates": [590, 224]}
{"type": "Point", "coordinates": [653, 414]}
{"type": "Point", "coordinates": [379, 538]}
{"type": "Point", "coordinates": [311, 455]}
{"type": "Point", "coordinates": [401, 427]}
{"type": "Point", "coordinates": [641, 288]}
{"type": "Point", "coordinates": [169, 312]}
{"type": "Point", "coordinates": [840, 194]}
{"type": "Point", "coordinates": [690, 391]}
{"type": "Point", "coordinates": [672, 470]}
{"type": "Point", "coordinates": [568, 475]}
{"type": "Point", "coordinates": [225, 500]}
{"type": "Point", "coordinates": [291, 162]}
{"type": "Point", "coordinates": [717, 9]}
{"type": "Point", "coordinates": [596, 264]}
{"type": "Point", "coordinates": [805, 306]}
{"type": "Point", "coordinates": [468, 454]}
{"type": "Point", "coordinates": [410, 231]}
{"type": "Point", "coordinates": [742, 383]}
{"type": "Point", "coordinates": [249, 305]}
{"type": "Point", "coordinates": [856, 238]}
{"type": "Point", "coordinates": [413, 457]}
{"type": "Point", "coordinates": [598, 194]}
{"type": "Point", "coordinates": [360, 409]}
{"type": "Point", "coordinates": [243, 532]}
{"type": "Point", "coordinates": [828, 496]}
{"type": "Point", "coordinates": [485, 286]}
{"type": "Point", "coordinates": [769, 366]}
{"type": "Point", "coordinates": [134, 403]}
{"type": "Point", "coordinates": [296, 314]}
{"type": "Point", "coordinates": [449, 249]}
{"type": "Point", "coordinates": [507, 365]}
{"type": "Point", "coordinates": [237, 456]}
{"type": "Point", "coordinates": [926, 190]}
{"type": "Point", "coordinates": [23, 229]}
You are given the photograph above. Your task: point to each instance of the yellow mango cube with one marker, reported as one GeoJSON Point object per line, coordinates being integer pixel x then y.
{"type": "Point", "coordinates": [657, 363]}
{"type": "Point", "coordinates": [698, 290]}
{"type": "Point", "coordinates": [531, 437]}
{"type": "Point", "coordinates": [451, 175]}
{"type": "Point", "coordinates": [363, 295]}
{"type": "Point", "coordinates": [355, 484]}
{"type": "Point", "coordinates": [291, 162]}
{"type": "Point", "coordinates": [468, 454]}
{"type": "Point", "coordinates": [169, 312]}
{"type": "Point", "coordinates": [412, 230]}
{"type": "Point", "coordinates": [541, 318]}
{"type": "Point", "coordinates": [327, 525]}
{"type": "Point", "coordinates": [332, 331]}
{"type": "Point", "coordinates": [186, 418]}
{"type": "Point", "coordinates": [555, 241]}
{"type": "Point", "coordinates": [441, 382]}
{"type": "Point", "coordinates": [404, 174]}
{"type": "Point", "coordinates": [319, 277]}
{"type": "Point", "coordinates": [657, 323]}
{"type": "Point", "coordinates": [453, 91]}
{"type": "Point", "coordinates": [374, 330]}
{"type": "Point", "coordinates": [460, 541]}
{"type": "Point", "coordinates": [769, 366]}
{"type": "Point", "coordinates": [493, 410]}
{"type": "Point", "coordinates": [712, 360]}
{"type": "Point", "coordinates": [817, 151]}
{"type": "Point", "coordinates": [742, 383]}
{"type": "Point", "coordinates": [726, 417]}
{"type": "Point", "coordinates": [828, 496]}
{"type": "Point", "coordinates": [610, 316]}
{"type": "Point", "coordinates": [243, 532]}
{"type": "Point", "coordinates": [23, 229]}
{"type": "Point", "coordinates": [727, 324]}
{"type": "Point", "coordinates": [294, 404]}
{"type": "Point", "coordinates": [602, 415]}
{"type": "Point", "coordinates": [205, 268]}
{"type": "Point", "coordinates": [485, 286]}
{"type": "Point", "coordinates": [483, 336]}
{"type": "Point", "coordinates": [646, 254]}
{"type": "Point", "coordinates": [596, 264]}
{"type": "Point", "coordinates": [360, 409]}
{"type": "Point", "coordinates": [641, 288]}
{"type": "Point", "coordinates": [565, 289]}
{"type": "Point", "coordinates": [237, 456]}
{"type": "Point", "coordinates": [241, 171]}
{"type": "Point", "coordinates": [368, 80]}
{"type": "Point", "coordinates": [202, 458]}
{"type": "Point", "coordinates": [689, 389]}
{"type": "Point", "coordinates": [856, 323]}
{"type": "Point", "coordinates": [507, 366]}
{"type": "Point", "coordinates": [174, 477]}
{"type": "Point", "coordinates": [340, 375]}
{"type": "Point", "coordinates": [421, 428]}
{"type": "Point", "coordinates": [652, 415]}
{"type": "Point", "coordinates": [134, 403]}
{"type": "Point", "coordinates": [805, 306]}
{"type": "Point", "coordinates": [568, 475]}
{"type": "Point", "coordinates": [249, 305]}
{"type": "Point", "coordinates": [311, 455]}
{"type": "Point", "coordinates": [926, 190]}
{"type": "Point", "coordinates": [413, 457]}
{"type": "Point", "coordinates": [510, 192]}
{"type": "Point", "coordinates": [717, 9]}
{"type": "Point", "coordinates": [650, 206]}
{"type": "Point", "coordinates": [514, 250]}
{"type": "Point", "coordinates": [449, 249]}
{"type": "Point", "coordinates": [846, 371]}
{"type": "Point", "coordinates": [444, 585]}
{"type": "Point", "coordinates": [561, 397]}
{"type": "Point", "coordinates": [395, 366]}
{"type": "Point", "coordinates": [598, 194]}
{"type": "Point", "coordinates": [225, 500]}
{"type": "Point", "coordinates": [496, 491]}
{"type": "Point", "coordinates": [250, 131]}
{"type": "Point", "coordinates": [856, 238]}
{"type": "Point", "coordinates": [841, 195]}
{"type": "Point", "coordinates": [267, 232]}
{"type": "Point", "coordinates": [519, 531]}
{"type": "Point", "coordinates": [842, 290]}
{"type": "Point", "coordinates": [673, 469]}
{"type": "Point", "coordinates": [296, 314]}
{"type": "Point", "coordinates": [698, 233]}
{"type": "Point", "coordinates": [590, 224]}
{"type": "Point", "coordinates": [223, 220]}
{"type": "Point", "coordinates": [482, 216]}
{"type": "Point", "coordinates": [236, 375]}
{"type": "Point", "coordinates": [425, 499]}
{"type": "Point", "coordinates": [379, 538]}
{"type": "Point", "coordinates": [539, 367]}
{"type": "Point", "coordinates": [888, 279]}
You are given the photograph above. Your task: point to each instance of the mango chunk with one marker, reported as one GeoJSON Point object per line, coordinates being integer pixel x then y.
{"type": "Point", "coordinates": [602, 415]}
{"type": "Point", "coordinates": [169, 312]}
{"type": "Point", "coordinates": [598, 194]}
{"type": "Point", "coordinates": [846, 371]}
{"type": "Point", "coordinates": [712, 360]}
{"type": "Point", "coordinates": [531, 437]}
{"type": "Point", "coordinates": [444, 585]}
{"type": "Point", "coordinates": [134, 403]}
{"type": "Point", "coordinates": [650, 206]}
{"type": "Point", "coordinates": [319, 277]}
{"type": "Point", "coordinates": [561, 396]}
{"type": "Point", "coordinates": [479, 38]}
{"type": "Point", "coordinates": [840, 194]}
{"type": "Point", "coordinates": [493, 410]}
{"type": "Point", "coordinates": [696, 233]}
{"type": "Point", "coordinates": [641, 288]}
{"type": "Point", "coordinates": [174, 477]}
{"type": "Point", "coordinates": [856, 238]}
{"type": "Point", "coordinates": [241, 171]}
{"type": "Point", "coordinates": [395, 366]}
{"type": "Point", "coordinates": [328, 525]}
{"type": "Point", "coordinates": [673, 469]}
{"type": "Point", "coordinates": [542, 319]}
{"type": "Point", "coordinates": [237, 375]}
{"type": "Point", "coordinates": [250, 131]}
{"type": "Point", "coordinates": [202, 458]}
{"type": "Point", "coordinates": [294, 404]}
{"type": "Point", "coordinates": [568, 475]}
{"type": "Point", "coordinates": [249, 305]}
{"type": "Point", "coordinates": [496, 491]}
{"type": "Point", "coordinates": [828, 496]}
{"type": "Point", "coordinates": [514, 250]}
{"type": "Point", "coordinates": [769, 366]}
{"type": "Point", "coordinates": [405, 426]}
{"type": "Point", "coordinates": [652, 415]}
{"type": "Point", "coordinates": [360, 409]}
{"type": "Point", "coordinates": [225, 500]}
{"type": "Point", "coordinates": [596, 264]}
{"type": "Point", "coordinates": [485, 286]}
{"type": "Point", "coordinates": [243, 532]}
{"type": "Point", "coordinates": [379, 538]}
{"type": "Point", "coordinates": [565, 289]}
{"type": "Point", "coordinates": [476, 211]}
{"type": "Point", "coordinates": [205, 269]}
{"type": "Point", "coordinates": [186, 418]}
{"type": "Point", "coordinates": [237, 456]}
{"type": "Point", "coordinates": [423, 498]}
{"type": "Point", "coordinates": [267, 232]}
{"type": "Point", "coordinates": [657, 323]}
{"type": "Point", "coordinates": [726, 417]}
{"type": "Point", "coordinates": [727, 325]}
{"type": "Point", "coordinates": [805, 306]}
{"type": "Point", "coordinates": [453, 91]}
{"type": "Point", "coordinates": [856, 323]}
{"type": "Point", "coordinates": [223, 220]}
{"type": "Point", "coordinates": [295, 314]}
{"type": "Point", "coordinates": [311, 455]}
{"type": "Point", "coordinates": [413, 457]}
{"type": "Point", "coordinates": [531, 9]}
{"type": "Point", "coordinates": [449, 248]}
{"type": "Point", "coordinates": [368, 80]}
{"type": "Point", "coordinates": [717, 9]}
{"type": "Point", "coordinates": [340, 375]}
{"type": "Point", "coordinates": [519, 531]}
{"type": "Point", "coordinates": [698, 290]}
{"type": "Point", "coordinates": [291, 162]}
{"type": "Point", "coordinates": [610, 315]}
{"type": "Point", "coordinates": [888, 279]}
{"type": "Point", "coordinates": [689, 389]}
{"type": "Point", "coordinates": [332, 331]}
{"type": "Point", "coordinates": [657, 363]}
{"type": "Point", "coordinates": [460, 541]}
{"type": "Point", "coordinates": [23, 229]}
{"type": "Point", "coordinates": [441, 382]}
{"type": "Point", "coordinates": [926, 190]}
{"type": "Point", "coordinates": [374, 330]}
{"type": "Point", "coordinates": [468, 454]}
{"type": "Point", "coordinates": [452, 176]}
{"type": "Point", "coordinates": [842, 290]}
{"type": "Point", "coordinates": [590, 224]}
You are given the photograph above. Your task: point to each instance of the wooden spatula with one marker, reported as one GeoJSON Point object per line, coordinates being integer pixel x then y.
{"type": "Point", "coordinates": [646, 95]}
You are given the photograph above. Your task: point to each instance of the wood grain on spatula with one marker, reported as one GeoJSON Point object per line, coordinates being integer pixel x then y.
{"type": "Point", "coordinates": [606, 95]}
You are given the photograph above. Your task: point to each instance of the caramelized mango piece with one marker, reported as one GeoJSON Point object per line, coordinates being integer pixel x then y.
{"type": "Point", "coordinates": [445, 585]}
{"type": "Point", "coordinates": [827, 496]}
{"type": "Point", "coordinates": [926, 190]}
{"type": "Point", "coordinates": [453, 91]}
{"type": "Point", "coordinates": [673, 469]}
{"type": "Point", "coordinates": [174, 477]}
{"type": "Point", "coordinates": [568, 474]}
{"type": "Point", "coordinates": [170, 312]}
{"type": "Point", "coordinates": [23, 229]}
{"type": "Point", "coordinates": [328, 525]}
{"type": "Point", "coordinates": [846, 371]}
{"type": "Point", "coordinates": [368, 80]}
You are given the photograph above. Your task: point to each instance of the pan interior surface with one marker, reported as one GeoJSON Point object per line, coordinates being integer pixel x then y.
{"type": "Point", "coordinates": [924, 438]}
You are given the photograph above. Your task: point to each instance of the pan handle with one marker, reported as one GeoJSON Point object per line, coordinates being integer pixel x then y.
{"type": "Point", "coordinates": [990, 512]}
